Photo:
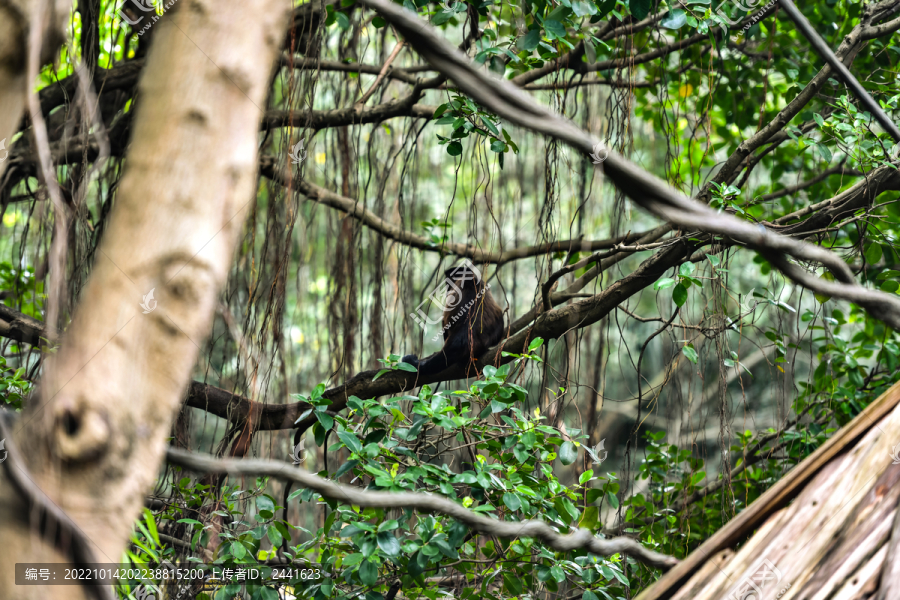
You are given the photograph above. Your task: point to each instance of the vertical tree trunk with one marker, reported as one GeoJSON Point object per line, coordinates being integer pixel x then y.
{"type": "Point", "coordinates": [95, 436]}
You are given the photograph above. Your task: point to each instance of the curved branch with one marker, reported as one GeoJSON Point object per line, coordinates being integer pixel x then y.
{"type": "Point", "coordinates": [580, 539]}
{"type": "Point", "coordinates": [313, 64]}
{"type": "Point", "coordinates": [846, 52]}
{"type": "Point", "coordinates": [837, 66]}
{"type": "Point", "coordinates": [121, 77]}
{"type": "Point", "coordinates": [647, 190]}
{"type": "Point", "coordinates": [354, 115]}
{"type": "Point", "coordinates": [549, 325]}
{"type": "Point", "coordinates": [20, 327]}
{"type": "Point", "coordinates": [793, 189]}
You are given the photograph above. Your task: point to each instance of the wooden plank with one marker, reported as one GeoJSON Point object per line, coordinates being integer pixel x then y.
{"type": "Point", "coordinates": [775, 498]}
{"type": "Point", "coordinates": [707, 573]}
{"type": "Point", "coordinates": [865, 583]}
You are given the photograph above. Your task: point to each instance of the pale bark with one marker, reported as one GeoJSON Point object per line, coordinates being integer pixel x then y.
{"type": "Point", "coordinates": [95, 438]}
{"type": "Point", "coordinates": [12, 78]}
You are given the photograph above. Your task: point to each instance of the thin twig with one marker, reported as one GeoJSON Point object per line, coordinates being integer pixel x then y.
{"type": "Point", "coordinates": [41, 139]}
{"type": "Point", "coordinates": [384, 69]}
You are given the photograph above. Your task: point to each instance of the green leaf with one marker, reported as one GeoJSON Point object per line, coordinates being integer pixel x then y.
{"type": "Point", "coordinates": [690, 353]}
{"type": "Point", "coordinates": [521, 455]}
{"type": "Point", "coordinates": [535, 344]}
{"type": "Point", "coordinates": [590, 52]}
{"type": "Point", "coordinates": [560, 13]}
{"type": "Point", "coordinates": [368, 573]}
{"type": "Point", "coordinates": [512, 501]}
{"type": "Point", "coordinates": [557, 573]}
{"type": "Point", "coordinates": [590, 519]}
{"type": "Point", "coordinates": [454, 148]}
{"type": "Point", "coordinates": [679, 295]}
{"type": "Point", "coordinates": [388, 525]}
{"type": "Point", "coordinates": [665, 282]}
{"type": "Point", "coordinates": [414, 568]}
{"type": "Point", "coordinates": [266, 593]}
{"type": "Point", "coordinates": [351, 441]}
{"type": "Point", "coordinates": [389, 544]}
{"type": "Point", "coordinates": [554, 29]}
{"type": "Point", "coordinates": [564, 505]}
{"type": "Point", "coordinates": [405, 366]}
{"type": "Point", "coordinates": [605, 7]}
{"type": "Point", "coordinates": [640, 8]}
{"type": "Point", "coordinates": [686, 269]}
{"type": "Point", "coordinates": [441, 17]}
{"type": "Point", "coordinates": [585, 477]}
{"type": "Point", "coordinates": [446, 549]}
{"type": "Point", "coordinates": [274, 536]}
{"type": "Point", "coordinates": [873, 254]}
{"type": "Point", "coordinates": [568, 453]}
{"type": "Point", "coordinates": [265, 503]}
{"type": "Point", "coordinates": [237, 550]}
{"type": "Point", "coordinates": [528, 439]}
{"type": "Point", "coordinates": [823, 298]}
{"type": "Point", "coordinates": [529, 41]}
{"type": "Point", "coordinates": [583, 9]}
{"type": "Point", "coordinates": [613, 500]}
{"type": "Point", "coordinates": [351, 530]}
{"type": "Point", "coordinates": [344, 468]}
{"type": "Point", "coordinates": [325, 419]}
{"type": "Point", "coordinates": [512, 583]}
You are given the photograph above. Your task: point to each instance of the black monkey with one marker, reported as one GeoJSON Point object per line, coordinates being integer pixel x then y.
{"type": "Point", "coordinates": [473, 322]}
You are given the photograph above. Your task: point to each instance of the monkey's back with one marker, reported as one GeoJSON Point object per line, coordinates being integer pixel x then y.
{"type": "Point", "coordinates": [477, 316]}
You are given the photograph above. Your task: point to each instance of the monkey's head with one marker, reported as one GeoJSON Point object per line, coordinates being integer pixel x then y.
{"type": "Point", "coordinates": [465, 275]}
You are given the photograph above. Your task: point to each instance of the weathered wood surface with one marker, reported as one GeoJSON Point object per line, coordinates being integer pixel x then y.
{"type": "Point", "coordinates": [829, 543]}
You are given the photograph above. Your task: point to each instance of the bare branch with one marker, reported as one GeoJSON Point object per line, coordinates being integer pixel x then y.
{"type": "Point", "coordinates": [20, 327]}
{"type": "Point", "coordinates": [793, 189]}
{"type": "Point", "coordinates": [580, 539]}
{"type": "Point", "coordinates": [842, 71]}
{"type": "Point", "coordinates": [381, 74]}
{"type": "Point", "coordinates": [400, 74]}
{"type": "Point", "coordinates": [354, 115]}
{"type": "Point", "coordinates": [514, 105]}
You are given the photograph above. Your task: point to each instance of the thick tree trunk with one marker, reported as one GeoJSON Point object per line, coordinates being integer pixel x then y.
{"type": "Point", "coordinates": [95, 436]}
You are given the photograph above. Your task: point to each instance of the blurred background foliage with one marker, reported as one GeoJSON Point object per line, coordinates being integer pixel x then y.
{"type": "Point", "coordinates": [750, 376]}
